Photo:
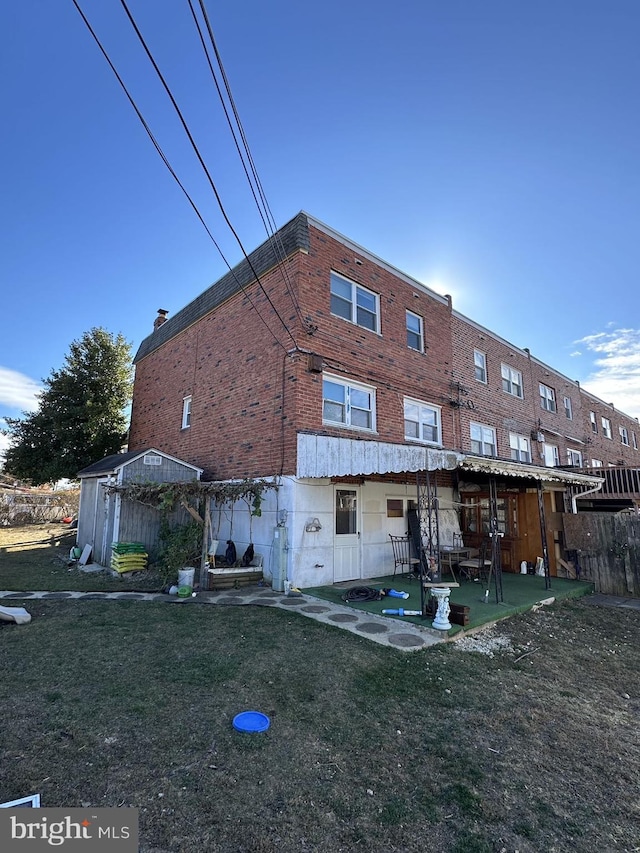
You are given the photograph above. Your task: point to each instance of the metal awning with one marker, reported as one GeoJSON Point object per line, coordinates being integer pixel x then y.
{"type": "Point", "coordinates": [504, 468]}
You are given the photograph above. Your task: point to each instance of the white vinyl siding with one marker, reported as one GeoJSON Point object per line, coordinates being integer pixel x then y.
{"type": "Point", "coordinates": [422, 422]}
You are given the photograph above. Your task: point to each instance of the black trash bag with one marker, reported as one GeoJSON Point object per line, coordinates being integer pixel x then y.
{"type": "Point", "coordinates": [248, 555]}
{"type": "Point", "coordinates": [230, 554]}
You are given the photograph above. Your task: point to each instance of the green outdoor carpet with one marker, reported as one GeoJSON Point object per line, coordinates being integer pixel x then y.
{"type": "Point", "coordinates": [519, 593]}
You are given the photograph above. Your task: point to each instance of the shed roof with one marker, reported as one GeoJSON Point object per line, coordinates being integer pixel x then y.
{"type": "Point", "coordinates": [113, 463]}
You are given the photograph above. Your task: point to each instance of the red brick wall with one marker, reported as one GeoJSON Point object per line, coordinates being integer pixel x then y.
{"type": "Point", "coordinates": [236, 373]}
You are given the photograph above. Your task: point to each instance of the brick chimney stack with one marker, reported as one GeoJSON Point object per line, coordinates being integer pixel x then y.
{"type": "Point", "coordinates": [160, 319]}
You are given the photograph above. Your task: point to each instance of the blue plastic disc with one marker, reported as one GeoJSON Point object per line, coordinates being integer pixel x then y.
{"type": "Point", "coordinates": [251, 721]}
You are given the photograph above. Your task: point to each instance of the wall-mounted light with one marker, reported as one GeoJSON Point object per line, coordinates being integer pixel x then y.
{"type": "Point", "coordinates": [313, 526]}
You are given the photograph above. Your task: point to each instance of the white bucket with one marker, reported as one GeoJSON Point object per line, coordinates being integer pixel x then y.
{"type": "Point", "coordinates": [185, 577]}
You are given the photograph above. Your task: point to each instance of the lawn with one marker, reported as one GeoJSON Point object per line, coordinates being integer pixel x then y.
{"type": "Point", "coordinates": [530, 747]}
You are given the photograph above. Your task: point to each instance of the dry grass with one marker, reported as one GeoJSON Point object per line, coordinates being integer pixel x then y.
{"type": "Point", "coordinates": [533, 749]}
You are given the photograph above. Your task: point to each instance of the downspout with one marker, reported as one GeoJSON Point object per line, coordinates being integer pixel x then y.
{"type": "Point", "coordinates": [574, 498]}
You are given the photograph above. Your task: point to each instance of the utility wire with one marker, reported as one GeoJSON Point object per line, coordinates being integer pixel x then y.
{"type": "Point", "coordinates": [269, 223]}
{"type": "Point", "coordinates": [170, 168]}
{"type": "Point", "coordinates": [203, 164]}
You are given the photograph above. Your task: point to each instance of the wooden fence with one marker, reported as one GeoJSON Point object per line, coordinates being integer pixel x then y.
{"type": "Point", "coordinates": [607, 549]}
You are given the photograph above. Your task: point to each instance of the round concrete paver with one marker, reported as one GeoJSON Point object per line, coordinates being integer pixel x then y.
{"type": "Point", "coordinates": [94, 596]}
{"type": "Point", "coordinates": [57, 595]}
{"type": "Point", "coordinates": [264, 602]}
{"type": "Point", "coordinates": [342, 617]}
{"type": "Point", "coordinates": [231, 600]}
{"type": "Point", "coordinates": [405, 641]}
{"type": "Point", "coordinates": [19, 595]}
{"type": "Point", "coordinates": [291, 602]}
{"type": "Point", "coordinates": [315, 608]}
{"type": "Point", "coordinates": [126, 596]}
{"type": "Point", "coordinates": [372, 628]}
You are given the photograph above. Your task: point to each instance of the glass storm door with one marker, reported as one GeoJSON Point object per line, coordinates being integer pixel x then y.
{"type": "Point", "coordinates": [346, 540]}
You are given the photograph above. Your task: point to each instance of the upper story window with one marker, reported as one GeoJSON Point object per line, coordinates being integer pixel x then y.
{"type": "Point", "coordinates": [483, 439]}
{"type": "Point", "coordinates": [596, 463]}
{"type": "Point", "coordinates": [567, 408]}
{"type": "Point", "coordinates": [606, 428]}
{"type": "Point", "coordinates": [634, 440]}
{"type": "Point", "coordinates": [415, 339]}
{"type": "Point", "coordinates": [594, 422]}
{"type": "Point", "coordinates": [551, 455]}
{"type": "Point", "coordinates": [547, 398]}
{"type": "Point", "coordinates": [422, 421]}
{"type": "Point", "coordinates": [480, 365]}
{"type": "Point", "coordinates": [354, 303]}
{"type": "Point", "coordinates": [574, 457]}
{"type": "Point", "coordinates": [348, 403]}
{"type": "Point", "coordinates": [512, 381]}
{"type": "Point", "coordinates": [624, 435]}
{"type": "Point", "coordinates": [186, 412]}
{"type": "Point", "coordinates": [519, 445]}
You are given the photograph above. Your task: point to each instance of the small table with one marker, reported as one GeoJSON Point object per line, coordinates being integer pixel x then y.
{"type": "Point", "coordinates": [450, 557]}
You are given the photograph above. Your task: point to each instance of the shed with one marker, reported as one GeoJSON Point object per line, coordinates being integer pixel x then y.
{"type": "Point", "coordinates": [105, 517]}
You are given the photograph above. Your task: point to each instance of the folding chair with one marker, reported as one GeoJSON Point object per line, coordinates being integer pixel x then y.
{"type": "Point", "coordinates": [476, 568]}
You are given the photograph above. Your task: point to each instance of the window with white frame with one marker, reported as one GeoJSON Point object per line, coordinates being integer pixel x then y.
{"type": "Point", "coordinates": [519, 445]}
{"type": "Point", "coordinates": [551, 455]}
{"type": "Point", "coordinates": [483, 439]}
{"type": "Point", "coordinates": [594, 422]}
{"type": "Point", "coordinates": [415, 339]}
{"type": "Point", "coordinates": [512, 381]}
{"type": "Point", "coordinates": [186, 412]}
{"type": "Point", "coordinates": [480, 366]}
{"type": "Point", "coordinates": [347, 403]}
{"type": "Point", "coordinates": [568, 410]}
{"type": "Point", "coordinates": [354, 303]}
{"type": "Point", "coordinates": [606, 428]}
{"type": "Point", "coordinates": [634, 440]}
{"type": "Point", "coordinates": [574, 457]}
{"type": "Point", "coordinates": [547, 398]}
{"type": "Point", "coordinates": [421, 421]}
{"type": "Point", "coordinates": [596, 463]}
{"type": "Point", "coordinates": [624, 435]}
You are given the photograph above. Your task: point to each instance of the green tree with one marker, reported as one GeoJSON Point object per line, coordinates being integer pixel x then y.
{"type": "Point", "coordinates": [81, 414]}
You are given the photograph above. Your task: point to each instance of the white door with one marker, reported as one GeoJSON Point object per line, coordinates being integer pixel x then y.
{"type": "Point", "coordinates": [346, 540]}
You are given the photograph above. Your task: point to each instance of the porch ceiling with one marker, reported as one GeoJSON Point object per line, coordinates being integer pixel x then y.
{"type": "Point", "coordinates": [483, 465]}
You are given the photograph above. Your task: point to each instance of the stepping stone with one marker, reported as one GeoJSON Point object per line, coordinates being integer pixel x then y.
{"type": "Point", "coordinates": [57, 595]}
{"type": "Point", "coordinates": [292, 602]}
{"type": "Point", "coordinates": [231, 600]}
{"type": "Point", "coordinates": [372, 628]}
{"type": "Point", "coordinates": [19, 595]}
{"type": "Point", "coordinates": [405, 641]}
{"type": "Point", "coordinates": [342, 618]}
{"type": "Point", "coordinates": [263, 602]}
{"type": "Point", "coordinates": [94, 596]}
{"type": "Point", "coordinates": [315, 608]}
{"type": "Point", "coordinates": [129, 596]}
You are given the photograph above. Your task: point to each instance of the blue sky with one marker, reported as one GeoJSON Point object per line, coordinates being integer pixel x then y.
{"type": "Point", "coordinates": [490, 149]}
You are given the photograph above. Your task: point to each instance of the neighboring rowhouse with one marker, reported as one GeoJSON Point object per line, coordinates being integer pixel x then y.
{"type": "Point", "coordinates": [362, 392]}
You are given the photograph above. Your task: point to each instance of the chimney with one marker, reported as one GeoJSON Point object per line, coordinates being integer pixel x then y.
{"type": "Point", "coordinates": [160, 319]}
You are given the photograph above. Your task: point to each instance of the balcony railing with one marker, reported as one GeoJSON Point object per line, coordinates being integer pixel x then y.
{"type": "Point", "coordinates": [619, 482]}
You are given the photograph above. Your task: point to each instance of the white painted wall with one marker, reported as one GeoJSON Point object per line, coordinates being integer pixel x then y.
{"type": "Point", "coordinates": [310, 556]}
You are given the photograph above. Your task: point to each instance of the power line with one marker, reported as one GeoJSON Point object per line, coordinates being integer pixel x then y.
{"type": "Point", "coordinates": [269, 223]}
{"type": "Point", "coordinates": [170, 168]}
{"type": "Point", "coordinates": [203, 164]}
